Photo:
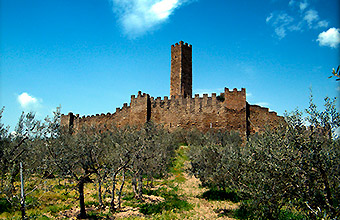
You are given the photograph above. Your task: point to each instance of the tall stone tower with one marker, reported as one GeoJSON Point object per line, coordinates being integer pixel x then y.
{"type": "Point", "coordinates": [181, 70]}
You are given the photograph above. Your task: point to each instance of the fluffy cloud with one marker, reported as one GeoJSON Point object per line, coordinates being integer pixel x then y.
{"type": "Point", "coordinates": [139, 16]}
{"type": "Point", "coordinates": [330, 38]}
{"type": "Point", "coordinates": [297, 19]}
{"type": "Point", "coordinates": [26, 101]}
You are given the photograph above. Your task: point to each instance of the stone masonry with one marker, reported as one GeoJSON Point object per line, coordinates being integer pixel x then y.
{"type": "Point", "coordinates": [181, 70]}
{"type": "Point", "coordinates": [229, 110]}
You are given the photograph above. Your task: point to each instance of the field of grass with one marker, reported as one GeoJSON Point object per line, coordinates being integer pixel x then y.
{"type": "Point", "coordinates": [179, 196]}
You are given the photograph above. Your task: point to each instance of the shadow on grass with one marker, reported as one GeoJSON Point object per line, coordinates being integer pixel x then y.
{"type": "Point", "coordinates": [5, 206]}
{"type": "Point", "coordinates": [247, 210]}
{"type": "Point", "coordinates": [221, 195]}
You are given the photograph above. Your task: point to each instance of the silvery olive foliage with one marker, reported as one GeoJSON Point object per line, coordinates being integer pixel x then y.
{"type": "Point", "coordinates": [292, 170]}
{"type": "Point", "coordinates": [89, 154]}
{"type": "Point", "coordinates": [215, 158]}
{"type": "Point", "coordinates": [15, 147]}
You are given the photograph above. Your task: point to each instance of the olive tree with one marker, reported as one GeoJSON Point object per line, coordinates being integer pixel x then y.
{"type": "Point", "coordinates": [293, 168]}
{"type": "Point", "coordinates": [75, 155]}
{"type": "Point", "coordinates": [17, 146]}
{"type": "Point", "coordinates": [215, 160]}
{"type": "Point", "coordinates": [296, 167]}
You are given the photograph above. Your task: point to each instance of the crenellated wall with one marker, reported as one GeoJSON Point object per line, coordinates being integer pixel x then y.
{"type": "Point", "coordinates": [134, 114]}
{"type": "Point", "coordinates": [235, 99]}
{"type": "Point", "coordinates": [203, 113]}
{"type": "Point", "coordinates": [229, 111]}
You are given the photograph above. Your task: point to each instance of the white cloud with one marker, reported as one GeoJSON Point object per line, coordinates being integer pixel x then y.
{"type": "Point", "coordinates": [281, 21]}
{"type": "Point", "coordinates": [140, 16]}
{"type": "Point", "coordinates": [311, 16]}
{"type": "Point", "coordinates": [283, 18]}
{"type": "Point", "coordinates": [164, 8]}
{"type": "Point", "coordinates": [280, 32]}
{"type": "Point", "coordinates": [27, 102]}
{"type": "Point", "coordinates": [322, 24]}
{"type": "Point", "coordinates": [269, 17]}
{"type": "Point", "coordinates": [303, 5]}
{"type": "Point", "coordinates": [295, 27]}
{"type": "Point", "coordinates": [299, 18]}
{"type": "Point", "coordinates": [330, 38]}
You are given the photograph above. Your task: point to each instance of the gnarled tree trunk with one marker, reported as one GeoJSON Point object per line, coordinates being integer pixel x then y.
{"type": "Point", "coordinates": [120, 190]}
{"type": "Point", "coordinates": [81, 183]}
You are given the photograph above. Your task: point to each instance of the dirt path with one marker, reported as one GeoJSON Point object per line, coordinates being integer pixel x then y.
{"type": "Point", "coordinates": [203, 209]}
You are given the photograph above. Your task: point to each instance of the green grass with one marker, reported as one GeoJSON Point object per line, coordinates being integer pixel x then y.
{"type": "Point", "coordinates": [91, 203]}
{"type": "Point", "coordinates": [177, 168]}
{"type": "Point", "coordinates": [171, 202]}
{"type": "Point", "coordinates": [53, 209]}
{"type": "Point", "coordinates": [97, 215]}
{"type": "Point", "coordinates": [130, 200]}
{"type": "Point", "coordinates": [48, 196]}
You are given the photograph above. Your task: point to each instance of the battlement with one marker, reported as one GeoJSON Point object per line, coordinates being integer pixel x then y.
{"type": "Point", "coordinates": [228, 110]}
{"type": "Point", "coordinates": [235, 91]}
{"type": "Point", "coordinates": [181, 43]}
{"type": "Point", "coordinates": [235, 100]}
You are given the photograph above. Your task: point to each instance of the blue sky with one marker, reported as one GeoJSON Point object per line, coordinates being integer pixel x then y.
{"type": "Point", "coordinates": [89, 56]}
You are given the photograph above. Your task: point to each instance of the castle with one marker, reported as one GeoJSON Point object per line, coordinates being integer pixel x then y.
{"type": "Point", "coordinates": [229, 110]}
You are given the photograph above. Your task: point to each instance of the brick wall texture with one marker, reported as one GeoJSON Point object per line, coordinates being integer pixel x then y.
{"type": "Point", "coordinates": [231, 112]}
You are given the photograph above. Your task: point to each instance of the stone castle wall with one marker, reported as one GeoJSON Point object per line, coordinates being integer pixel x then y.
{"type": "Point", "coordinates": [202, 113]}
{"type": "Point", "coordinates": [199, 112]}
{"type": "Point", "coordinates": [260, 117]}
{"type": "Point", "coordinates": [229, 111]}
